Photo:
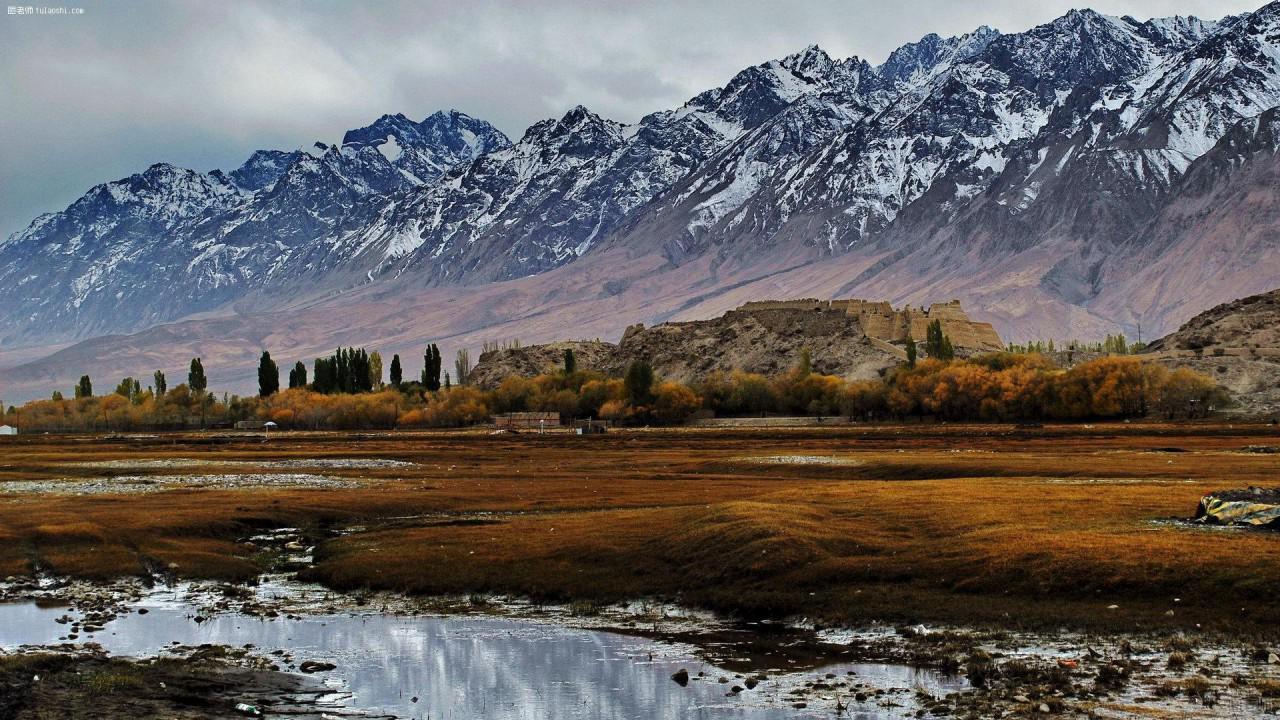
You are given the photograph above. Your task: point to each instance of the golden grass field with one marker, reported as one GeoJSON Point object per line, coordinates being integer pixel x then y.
{"type": "Point", "coordinates": [980, 524]}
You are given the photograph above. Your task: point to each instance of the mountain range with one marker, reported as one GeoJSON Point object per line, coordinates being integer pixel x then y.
{"type": "Point", "coordinates": [1088, 176]}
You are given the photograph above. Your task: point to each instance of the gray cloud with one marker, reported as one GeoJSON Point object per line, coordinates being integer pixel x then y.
{"type": "Point", "coordinates": [89, 98]}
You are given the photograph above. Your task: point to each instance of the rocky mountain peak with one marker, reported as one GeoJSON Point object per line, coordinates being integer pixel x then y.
{"type": "Point", "coordinates": [931, 54]}
{"type": "Point", "coordinates": [263, 168]}
{"type": "Point", "coordinates": [578, 132]}
{"type": "Point", "coordinates": [811, 62]}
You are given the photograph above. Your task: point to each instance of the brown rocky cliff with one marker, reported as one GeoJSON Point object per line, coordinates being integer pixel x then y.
{"type": "Point", "coordinates": [853, 339]}
{"type": "Point", "coordinates": [1238, 345]}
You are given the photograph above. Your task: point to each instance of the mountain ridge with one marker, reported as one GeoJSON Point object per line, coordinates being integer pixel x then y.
{"type": "Point", "coordinates": [1038, 176]}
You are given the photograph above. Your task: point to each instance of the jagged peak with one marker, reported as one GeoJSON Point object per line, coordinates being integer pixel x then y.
{"type": "Point", "coordinates": [577, 115]}
{"type": "Point", "coordinates": [812, 60]}
{"type": "Point", "coordinates": [1180, 31]}
{"type": "Point", "coordinates": [1076, 16]}
{"type": "Point", "coordinates": [1083, 20]}
{"type": "Point", "coordinates": [163, 173]}
{"type": "Point", "coordinates": [578, 121]}
{"type": "Point", "coordinates": [449, 116]}
{"type": "Point", "coordinates": [263, 168]}
{"type": "Point", "coordinates": [164, 168]}
{"type": "Point", "coordinates": [934, 52]}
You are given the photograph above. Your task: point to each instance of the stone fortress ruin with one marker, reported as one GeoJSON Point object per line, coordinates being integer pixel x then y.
{"type": "Point", "coordinates": [854, 339]}
{"type": "Point", "coordinates": [879, 320]}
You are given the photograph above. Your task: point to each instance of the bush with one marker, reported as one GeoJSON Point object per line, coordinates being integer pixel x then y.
{"type": "Point", "coordinates": [674, 403]}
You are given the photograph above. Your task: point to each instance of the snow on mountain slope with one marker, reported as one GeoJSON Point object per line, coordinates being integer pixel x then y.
{"type": "Point", "coordinates": [568, 183]}
{"type": "Point", "coordinates": [1013, 169]}
{"type": "Point", "coordinates": [424, 151]}
{"type": "Point", "coordinates": [170, 241]}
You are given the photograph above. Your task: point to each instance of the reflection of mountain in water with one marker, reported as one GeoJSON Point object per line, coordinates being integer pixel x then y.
{"type": "Point", "coordinates": [467, 667]}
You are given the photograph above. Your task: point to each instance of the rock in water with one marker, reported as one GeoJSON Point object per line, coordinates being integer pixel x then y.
{"type": "Point", "coordinates": [1252, 507]}
{"type": "Point", "coordinates": [681, 677]}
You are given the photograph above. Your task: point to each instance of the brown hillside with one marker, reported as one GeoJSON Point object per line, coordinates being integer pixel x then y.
{"type": "Point", "coordinates": [1236, 343]}
{"type": "Point", "coordinates": [850, 338]}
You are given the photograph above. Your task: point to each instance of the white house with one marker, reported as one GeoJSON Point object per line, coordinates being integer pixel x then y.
{"type": "Point", "coordinates": [8, 430]}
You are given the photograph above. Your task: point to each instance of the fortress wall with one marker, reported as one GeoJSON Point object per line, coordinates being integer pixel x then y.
{"type": "Point", "coordinates": [809, 319]}
{"type": "Point", "coordinates": [879, 320]}
{"type": "Point", "coordinates": [947, 311]}
{"type": "Point", "coordinates": [800, 304]}
{"type": "Point", "coordinates": [885, 327]}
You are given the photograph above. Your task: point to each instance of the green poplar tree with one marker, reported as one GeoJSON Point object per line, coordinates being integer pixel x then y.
{"type": "Point", "coordinates": [431, 366]}
{"type": "Point", "coordinates": [638, 383]}
{"type": "Point", "coordinates": [268, 376]}
{"type": "Point", "coordinates": [298, 376]}
{"type": "Point", "coordinates": [195, 376]}
{"type": "Point", "coordinates": [397, 374]}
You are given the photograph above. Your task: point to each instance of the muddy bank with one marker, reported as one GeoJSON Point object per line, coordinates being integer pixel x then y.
{"type": "Point", "coordinates": [205, 683]}
{"type": "Point", "coordinates": [144, 484]}
{"type": "Point", "coordinates": [624, 656]}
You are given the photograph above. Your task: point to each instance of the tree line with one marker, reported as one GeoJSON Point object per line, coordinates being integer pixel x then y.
{"type": "Point", "coordinates": [1116, 344]}
{"type": "Point", "coordinates": [347, 391]}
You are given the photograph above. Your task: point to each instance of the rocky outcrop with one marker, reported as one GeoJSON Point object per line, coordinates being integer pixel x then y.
{"type": "Point", "coordinates": [766, 341]}
{"type": "Point", "coordinates": [1247, 323]}
{"type": "Point", "coordinates": [494, 366]}
{"type": "Point", "coordinates": [1237, 344]}
{"type": "Point", "coordinates": [854, 339]}
{"type": "Point", "coordinates": [1252, 507]}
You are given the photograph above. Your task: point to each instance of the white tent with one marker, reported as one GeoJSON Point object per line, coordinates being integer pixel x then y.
{"type": "Point", "coordinates": [8, 430]}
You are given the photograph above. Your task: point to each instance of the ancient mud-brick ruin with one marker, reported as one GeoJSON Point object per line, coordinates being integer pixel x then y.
{"type": "Point", "coordinates": [854, 339]}
{"type": "Point", "coordinates": [881, 321]}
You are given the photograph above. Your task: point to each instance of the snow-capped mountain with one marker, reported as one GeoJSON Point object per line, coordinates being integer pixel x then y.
{"type": "Point", "coordinates": [169, 241]}
{"type": "Point", "coordinates": [1020, 171]}
{"type": "Point", "coordinates": [424, 151]}
{"type": "Point", "coordinates": [567, 183]}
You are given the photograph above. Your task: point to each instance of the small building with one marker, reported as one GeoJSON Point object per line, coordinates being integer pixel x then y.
{"type": "Point", "coordinates": [250, 425]}
{"type": "Point", "coordinates": [526, 420]}
{"type": "Point", "coordinates": [8, 430]}
{"type": "Point", "coordinates": [591, 427]}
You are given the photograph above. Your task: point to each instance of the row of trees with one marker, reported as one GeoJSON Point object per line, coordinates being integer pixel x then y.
{"type": "Point", "coordinates": [131, 388]}
{"type": "Point", "coordinates": [1116, 344]}
{"type": "Point", "coordinates": [347, 371]}
{"type": "Point", "coordinates": [347, 393]}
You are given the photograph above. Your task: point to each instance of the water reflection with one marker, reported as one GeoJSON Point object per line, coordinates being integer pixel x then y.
{"type": "Point", "coordinates": [468, 667]}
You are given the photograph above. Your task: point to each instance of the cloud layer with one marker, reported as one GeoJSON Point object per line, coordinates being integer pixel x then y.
{"type": "Point", "coordinates": [93, 97]}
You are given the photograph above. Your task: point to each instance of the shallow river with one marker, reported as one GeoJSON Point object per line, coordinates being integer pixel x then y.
{"type": "Point", "coordinates": [470, 667]}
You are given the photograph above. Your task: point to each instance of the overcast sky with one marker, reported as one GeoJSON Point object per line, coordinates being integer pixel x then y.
{"type": "Point", "coordinates": [94, 97]}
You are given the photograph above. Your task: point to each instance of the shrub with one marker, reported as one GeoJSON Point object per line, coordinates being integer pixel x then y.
{"type": "Point", "coordinates": [674, 403]}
